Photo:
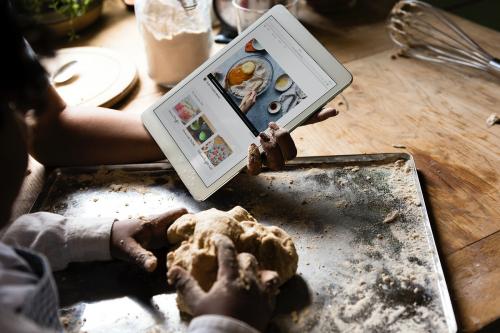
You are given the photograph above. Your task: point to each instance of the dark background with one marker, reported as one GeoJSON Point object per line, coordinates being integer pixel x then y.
{"type": "Point", "coordinates": [485, 12]}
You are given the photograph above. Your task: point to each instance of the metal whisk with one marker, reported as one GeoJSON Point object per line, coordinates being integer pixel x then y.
{"type": "Point", "coordinates": [424, 32]}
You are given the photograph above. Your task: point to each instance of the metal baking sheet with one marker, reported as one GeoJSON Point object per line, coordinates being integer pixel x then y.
{"type": "Point", "coordinates": [356, 272]}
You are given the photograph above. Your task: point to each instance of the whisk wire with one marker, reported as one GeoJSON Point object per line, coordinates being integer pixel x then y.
{"type": "Point", "coordinates": [425, 32]}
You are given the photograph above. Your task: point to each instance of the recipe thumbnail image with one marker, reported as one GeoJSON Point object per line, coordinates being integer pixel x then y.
{"type": "Point", "coordinates": [255, 82]}
{"type": "Point", "coordinates": [186, 109]}
{"type": "Point", "coordinates": [200, 129]}
{"type": "Point", "coordinates": [217, 150]}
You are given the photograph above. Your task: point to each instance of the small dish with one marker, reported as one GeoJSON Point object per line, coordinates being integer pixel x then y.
{"type": "Point", "coordinates": [256, 45]}
{"type": "Point", "coordinates": [274, 107]}
{"type": "Point", "coordinates": [283, 83]}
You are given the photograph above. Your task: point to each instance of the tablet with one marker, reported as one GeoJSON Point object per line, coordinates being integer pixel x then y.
{"type": "Point", "coordinates": [206, 123]}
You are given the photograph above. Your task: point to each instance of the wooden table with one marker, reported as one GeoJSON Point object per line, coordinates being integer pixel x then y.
{"type": "Point", "coordinates": [437, 112]}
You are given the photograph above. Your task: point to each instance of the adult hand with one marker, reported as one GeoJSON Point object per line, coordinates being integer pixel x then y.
{"type": "Point", "coordinates": [248, 101]}
{"type": "Point", "coordinates": [278, 145]}
{"type": "Point", "coordinates": [131, 239]}
{"type": "Point", "coordinates": [241, 290]}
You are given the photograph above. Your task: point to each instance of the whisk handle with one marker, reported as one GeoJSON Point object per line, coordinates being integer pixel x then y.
{"type": "Point", "coordinates": [494, 64]}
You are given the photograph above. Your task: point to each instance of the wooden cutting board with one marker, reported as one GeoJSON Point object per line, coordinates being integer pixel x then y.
{"type": "Point", "coordinates": [103, 77]}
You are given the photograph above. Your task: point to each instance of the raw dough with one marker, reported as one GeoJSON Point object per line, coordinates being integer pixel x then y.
{"type": "Point", "coordinates": [273, 247]}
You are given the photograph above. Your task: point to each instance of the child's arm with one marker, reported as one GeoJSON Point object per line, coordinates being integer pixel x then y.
{"type": "Point", "coordinates": [64, 135]}
{"type": "Point", "coordinates": [64, 240]}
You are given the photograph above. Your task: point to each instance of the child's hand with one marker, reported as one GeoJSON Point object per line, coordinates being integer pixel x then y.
{"type": "Point", "coordinates": [278, 145]}
{"type": "Point", "coordinates": [130, 239]}
{"type": "Point", "coordinates": [278, 148]}
{"type": "Point", "coordinates": [241, 290]}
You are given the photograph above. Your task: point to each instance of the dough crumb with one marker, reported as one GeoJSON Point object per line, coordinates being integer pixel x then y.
{"type": "Point", "coordinates": [398, 145]}
{"type": "Point", "coordinates": [492, 120]}
{"type": "Point", "coordinates": [391, 217]}
{"type": "Point", "coordinates": [399, 163]}
{"type": "Point", "coordinates": [117, 188]}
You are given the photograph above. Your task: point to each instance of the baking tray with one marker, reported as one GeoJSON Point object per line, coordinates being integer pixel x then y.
{"type": "Point", "coordinates": [356, 272]}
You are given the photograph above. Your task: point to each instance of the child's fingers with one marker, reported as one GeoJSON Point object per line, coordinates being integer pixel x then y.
{"type": "Point", "coordinates": [273, 154]}
{"type": "Point", "coordinates": [248, 264]}
{"type": "Point", "coordinates": [167, 218]}
{"type": "Point", "coordinates": [137, 254]}
{"type": "Point", "coordinates": [226, 257]}
{"type": "Point", "coordinates": [284, 141]}
{"type": "Point", "coordinates": [188, 288]}
{"type": "Point", "coordinates": [254, 160]}
{"type": "Point", "coordinates": [153, 233]}
{"type": "Point", "coordinates": [322, 115]}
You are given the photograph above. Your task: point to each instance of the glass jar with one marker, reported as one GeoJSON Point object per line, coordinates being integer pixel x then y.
{"type": "Point", "coordinates": [177, 37]}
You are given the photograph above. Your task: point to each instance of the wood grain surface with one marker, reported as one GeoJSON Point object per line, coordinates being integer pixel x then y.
{"type": "Point", "coordinates": [437, 112]}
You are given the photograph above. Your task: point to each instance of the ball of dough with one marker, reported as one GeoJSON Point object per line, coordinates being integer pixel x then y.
{"type": "Point", "coordinates": [272, 247]}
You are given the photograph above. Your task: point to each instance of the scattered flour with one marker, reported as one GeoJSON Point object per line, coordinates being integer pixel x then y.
{"type": "Point", "coordinates": [398, 292]}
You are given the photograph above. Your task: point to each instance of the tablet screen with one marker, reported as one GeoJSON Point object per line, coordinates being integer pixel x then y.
{"type": "Point", "coordinates": [265, 77]}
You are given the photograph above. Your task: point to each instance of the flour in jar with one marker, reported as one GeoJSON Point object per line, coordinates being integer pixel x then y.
{"type": "Point", "coordinates": [177, 41]}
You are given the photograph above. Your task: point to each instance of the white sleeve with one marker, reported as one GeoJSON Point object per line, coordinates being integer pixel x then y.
{"type": "Point", "coordinates": [62, 240]}
{"type": "Point", "coordinates": [219, 324]}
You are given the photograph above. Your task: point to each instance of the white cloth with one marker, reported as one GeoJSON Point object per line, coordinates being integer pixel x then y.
{"type": "Point", "coordinates": [219, 324]}
{"type": "Point", "coordinates": [64, 240]}
{"type": "Point", "coordinates": [13, 322]}
{"type": "Point", "coordinates": [28, 295]}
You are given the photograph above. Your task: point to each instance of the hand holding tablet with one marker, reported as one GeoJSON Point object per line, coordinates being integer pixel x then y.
{"type": "Point", "coordinates": [207, 122]}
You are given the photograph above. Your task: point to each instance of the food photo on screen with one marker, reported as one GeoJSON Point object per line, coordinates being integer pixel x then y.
{"type": "Point", "coordinates": [217, 150]}
{"type": "Point", "coordinates": [186, 109]}
{"type": "Point", "coordinates": [200, 129]}
{"type": "Point", "coordinates": [256, 86]}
